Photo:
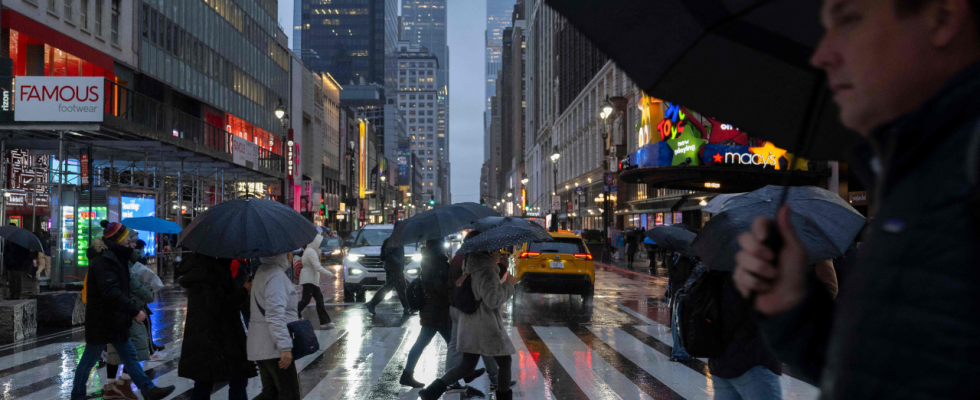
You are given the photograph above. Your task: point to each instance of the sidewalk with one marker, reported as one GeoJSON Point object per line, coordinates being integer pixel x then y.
{"type": "Point", "coordinates": [639, 266]}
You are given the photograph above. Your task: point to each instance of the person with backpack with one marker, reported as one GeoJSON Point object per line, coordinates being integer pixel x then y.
{"type": "Point", "coordinates": [109, 310]}
{"type": "Point", "coordinates": [394, 264]}
{"type": "Point", "coordinates": [215, 348]}
{"type": "Point", "coordinates": [434, 313]}
{"type": "Point", "coordinates": [481, 332]}
{"type": "Point", "coordinates": [454, 357]}
{"type": "Point", "coordinates": [269, 343]}
{"type": "Point", "coordinates": [309, 278]}
{"type": "Point", "coordinates": [679, 270]}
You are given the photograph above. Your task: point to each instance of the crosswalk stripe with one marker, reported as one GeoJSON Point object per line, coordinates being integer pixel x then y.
{"type": "Point", "coordinates": [595, 376]}
{"type": "Point", "coordinates": [529, 378]}
{"type": "Point", "coordinates": [59, 387]}
{"type": "Point", "coordinates": [13, 360]}
{"type": "Point", "coordinates": [648, 383]}
{"type": "Point", "coordinates": [361, 367]}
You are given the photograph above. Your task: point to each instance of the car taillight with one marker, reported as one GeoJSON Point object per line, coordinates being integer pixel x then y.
{"type": "Point", "coordinates": [529, 254]}
{"type": "Point", "coordinates": [584, 256]}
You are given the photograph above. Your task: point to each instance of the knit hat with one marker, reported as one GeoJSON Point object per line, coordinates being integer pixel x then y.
{"type": "Point", "coordinates": [114, 231]}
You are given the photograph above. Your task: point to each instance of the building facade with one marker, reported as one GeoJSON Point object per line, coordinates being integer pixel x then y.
{"type": "Point", "coordinates": [499, 17]}
{"type": "Point", "coordinates": [418, 103]}
{"type": "Point", "coordinates": [424, 23]}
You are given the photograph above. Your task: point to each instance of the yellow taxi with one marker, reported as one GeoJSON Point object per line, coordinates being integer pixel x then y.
{"type": "Point", "coordinates": [563, 266]}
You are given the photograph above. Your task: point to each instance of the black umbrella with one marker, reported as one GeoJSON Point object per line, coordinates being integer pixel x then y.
{"type": "Point", "coordinates": [487, 223]}
{"type": "Point", "coordinates": [672, 237]}
{"type": "Point", "coordinates": [743, 62]}
{"type": "Point", "coordinates": [21, 237]}
{"type": "Point", "coordinates": [248, 228]}
{"type": "Point", "coordinates": [825, 224]}
{"type": "Point", "coordinates": [503, 236]}
{"type": "Point", "coordinates": [438, 223]}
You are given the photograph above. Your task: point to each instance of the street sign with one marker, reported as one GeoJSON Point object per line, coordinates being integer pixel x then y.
{"type": "Point", "coordinates": [579, 190]}
{"type": "Point", "coordinates": [610, 179]}
{"type": "Point", "coordinates": [555, 202]}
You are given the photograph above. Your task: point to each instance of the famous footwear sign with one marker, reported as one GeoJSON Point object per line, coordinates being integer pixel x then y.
{"type": "Point", "coordinates": [63, 99]}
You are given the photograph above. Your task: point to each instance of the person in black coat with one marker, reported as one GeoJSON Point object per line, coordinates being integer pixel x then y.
{"type": "Point", "coordinates": [109, 311]}
{"type": "Point", "coordinates": [214, 338]}
{"type": "Point", "coordinates": [434, 315]}
{"type": "Point", "coordinates": [17, 262]}
{"type": "Point", "coordinates": [394, 261]}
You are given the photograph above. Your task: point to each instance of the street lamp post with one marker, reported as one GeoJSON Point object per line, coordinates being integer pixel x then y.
{"type": "Point", "coordinates": [554, 163]}
{"type": "Point", "coordinates": [284, 121]}
{"type": "Point", "coordinates": [605, 111]}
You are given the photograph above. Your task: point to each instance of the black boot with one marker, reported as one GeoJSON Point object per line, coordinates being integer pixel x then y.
{"type": "Point", "coordinates": [408, 380]}
{"type": "Point", "coordinates": [434, 391]}
{"type": "Point", "coordinates": [505, 394]}
{"type": "Point", "coordinates": [473, 375]}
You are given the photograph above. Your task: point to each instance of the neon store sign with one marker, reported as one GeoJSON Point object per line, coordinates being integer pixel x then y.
{"type": "Point", "coordinates": [765, 156]}
{"type": "Point", "coordinates": [673, 122]}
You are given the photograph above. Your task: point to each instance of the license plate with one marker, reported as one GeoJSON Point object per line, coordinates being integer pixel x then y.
{"type": "Point", "coordinates": [557, 264]}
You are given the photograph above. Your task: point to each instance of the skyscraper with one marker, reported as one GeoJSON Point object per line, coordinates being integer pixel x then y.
{"type": "Point", "coordinates": [418, 103]}
{"type": "Point", "coordinates": [350, 41]}
{"type": "Point", "coordinates": [424, 24]}
{"type": "Point", "coordinates": [499, 16]}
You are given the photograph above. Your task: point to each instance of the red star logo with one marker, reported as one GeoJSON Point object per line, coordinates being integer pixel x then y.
{"type": "Point", "coordinates": [717, 157]}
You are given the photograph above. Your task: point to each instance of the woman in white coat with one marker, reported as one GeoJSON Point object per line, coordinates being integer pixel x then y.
{"type": "Point", "coordinates": [269, 342]}
{"type": "Point", "coordinates": [309, 277]}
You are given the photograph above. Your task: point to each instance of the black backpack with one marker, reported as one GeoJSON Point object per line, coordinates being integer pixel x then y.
{"type": "Point", "coordinates": [463, 297]}
{"type": "Point", "coordinates": [416, 294]}
{"type": "Point", "coordinates": [699, 314]}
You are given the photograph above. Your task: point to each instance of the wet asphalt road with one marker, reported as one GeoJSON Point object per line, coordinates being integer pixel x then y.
{"type": "Point", "coordinates": [615, 348]}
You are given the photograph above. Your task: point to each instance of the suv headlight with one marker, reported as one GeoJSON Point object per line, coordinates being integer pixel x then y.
{"type": "Point", "coordinates": [412, 271]}
{"type": "Point", "coordinates": [354, 257]}
{"type": "Point", "coordinates": [416, 257]}
{"type": "Point", "coordinates": [335, 252]}
{"type": "Point", "coordinates": [355, 271]}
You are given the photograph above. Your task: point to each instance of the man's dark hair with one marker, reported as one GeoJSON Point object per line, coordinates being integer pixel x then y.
{"type": "Point", "coordinates": [909, 7]}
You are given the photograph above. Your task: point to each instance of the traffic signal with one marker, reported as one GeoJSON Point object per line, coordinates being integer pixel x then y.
{"type": "Point", "coordinates": [432, 202]}
{"type": "Point", "coordinates": [483, 202]}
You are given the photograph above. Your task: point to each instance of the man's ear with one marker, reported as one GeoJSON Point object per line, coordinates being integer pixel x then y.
{"type": "Point", "coordinates": [947, 20]}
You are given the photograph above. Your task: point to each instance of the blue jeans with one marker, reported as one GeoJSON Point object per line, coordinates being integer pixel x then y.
{"type": "Point", "coordinates": [92, 354]}
{"type": "Point", "coordinates": [758, 383]}
{"type": "Point", "coordinates": [425, 336]}
{"type": "Point", "coordinates": [677, 351]}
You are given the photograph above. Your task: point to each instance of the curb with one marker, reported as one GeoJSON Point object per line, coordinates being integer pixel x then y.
{"type": "Point", "coordinates": [617, 269]}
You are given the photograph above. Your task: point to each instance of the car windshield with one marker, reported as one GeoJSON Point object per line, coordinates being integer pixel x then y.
{"type": "Point", "coordinates": [331, 242]}
{"type": "Point", "coordinates": [371, 237]}
{"type": "Point", "coordinates": [560, 245]}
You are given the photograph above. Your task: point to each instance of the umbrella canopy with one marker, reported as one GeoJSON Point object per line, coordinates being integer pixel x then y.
{"type": "Point", "coordinates": [152, 224]}
{"type": "Point", "coordinates": [487, 223]}
{"type": "Point", "coordinates": [248, 228]}
{"type": "Point", "coordinates": [824, 222]}
{"type": "Point", "coordinates": [438, 223]}
{"type": "Point", "coordinates": [21, 237]}
{"type": "Point", "coordinates": [751, 56]}
{"type": "Point", "coordinates": [716, 205]}
{"type": "Point", "coordinates": [674, 238]}
{"type": "Point", "coordinates": [649, 241]}
{"type": "Point", "coordinates": [503, 236]}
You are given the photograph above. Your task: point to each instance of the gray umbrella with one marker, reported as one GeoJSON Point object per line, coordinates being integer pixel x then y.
{"type": "Point", "coordinates": [21, 237]}
{"type": "Point", "coordinates": [438, 223]}
{"type": "Point", "coordinates": [672, 237]}
{"type": "Point", "coordinates": [503, 236]}
{"type": "Point", "coordinates": [824, 222]}
{"type": "Point", "coordinates": [248, 228]}
{"type": "Point", "coordinates": [485, 224]}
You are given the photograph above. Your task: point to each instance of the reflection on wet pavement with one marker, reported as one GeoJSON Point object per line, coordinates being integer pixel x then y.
{"type": "Point", "coordinates": [614, 347]}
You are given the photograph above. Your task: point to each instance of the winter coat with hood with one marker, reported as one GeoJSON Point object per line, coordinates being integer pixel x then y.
{"type": "Point", "coordinates": [311, 263]}
{"type": "Point", "coordinates": [483, 332]}
{"type": "Point", "coordinates": [109, 309]}
{"type": "Point", "coordinates": [16, 257]}
{"type": "Point", "coordinates": [437, 287]}
{"type": "Point", "coordinates": [214, 347]}
{"type": "Point", "coordinates": [142, 294]}
{"type": "Point", "coordinates": [904, 325]}
{"type": "Point", "coordinates": [273, 291]}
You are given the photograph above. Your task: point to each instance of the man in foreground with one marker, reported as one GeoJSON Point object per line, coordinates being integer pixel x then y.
{"type": "Point", "coordinates": [905, 74]}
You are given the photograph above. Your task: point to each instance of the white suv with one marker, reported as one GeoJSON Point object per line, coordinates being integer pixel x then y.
{"type": "Point", "coordinates": [363, 267]}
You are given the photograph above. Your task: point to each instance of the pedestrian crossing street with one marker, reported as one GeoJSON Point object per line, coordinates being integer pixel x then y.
{"type": "Point", "coordinates": [587, 361]}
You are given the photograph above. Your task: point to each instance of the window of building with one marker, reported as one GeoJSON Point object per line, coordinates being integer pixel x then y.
{"type": "Point", "coordinates": [115, 22]}
{"type": "Point", "coordinates": [68, 11]}
{"type": "Point", "coordinates": [53, 6]}
{"type": "Point", "coordinates": [99, 5]}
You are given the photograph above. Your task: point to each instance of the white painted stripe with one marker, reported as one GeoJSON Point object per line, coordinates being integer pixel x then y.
{"type": "Point", "coordinates": [325, 338]}
{"type": "Point", "coordinates": [530, 381]}
{"type": "Point", "coordinates": [659, 331]}
{"type": "Point", "coordinates": [361, 367]}
{"type": "Point", "coordinates": [32, 340]}
{"type": "Point", "coordinates": [597, 379]}
{"type": "Point", "coordinates": [26, 356]}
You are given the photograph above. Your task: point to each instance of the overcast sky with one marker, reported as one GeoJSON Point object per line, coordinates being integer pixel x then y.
{"type": "Point", "coordinates": [467, 22]}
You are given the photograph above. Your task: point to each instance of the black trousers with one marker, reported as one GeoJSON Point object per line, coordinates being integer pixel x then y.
{"type": "Point", "coordinates": [277, 383]}
{"type": "Point", "coordinates": [469, 365]}
{"type": "Point", "coordinates": [313, 291]}
{"type": "Point", "coordinates": [396, 283]}
{"type": "Point", "coordinates": [15, 283]}
{"type": "Point", "coordinates": [236, 390]}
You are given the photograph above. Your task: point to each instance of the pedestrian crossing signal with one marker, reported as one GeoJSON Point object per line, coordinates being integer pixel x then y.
{"type": "Point", "coordinates": [432, 202]}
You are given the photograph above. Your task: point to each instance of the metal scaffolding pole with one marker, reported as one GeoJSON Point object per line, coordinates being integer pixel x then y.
{"type": "Point", "coordinates": [222, 186]}
{"type": "Point", "coordinates": [180, 192]}
{"type": "Point", "coordinates": [56, 269]}
{"type": "Point", "coordinates": [236, 186]}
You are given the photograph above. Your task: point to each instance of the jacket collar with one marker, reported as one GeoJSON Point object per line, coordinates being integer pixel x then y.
{"type": "Point", "coordinates": [897, 146]}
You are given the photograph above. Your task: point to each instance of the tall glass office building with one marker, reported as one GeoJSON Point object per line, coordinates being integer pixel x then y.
{"type": "Point", "coordinates": [424, 24]}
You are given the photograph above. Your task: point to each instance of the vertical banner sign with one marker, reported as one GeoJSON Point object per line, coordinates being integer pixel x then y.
{"type": "Point", "coordinates": [85, 169]}
{"type": "Point", "coordinates": [6, 90]}
{"type": "Point", "coordinates": [343, 145]}
{"type": "Point", "coordinates": [555, 203]}
{"type": "Point", "coordinates": [362, 160]}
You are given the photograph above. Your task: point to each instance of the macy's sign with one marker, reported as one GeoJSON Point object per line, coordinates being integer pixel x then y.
{"type": "Point", "coordinates": [64, 99]}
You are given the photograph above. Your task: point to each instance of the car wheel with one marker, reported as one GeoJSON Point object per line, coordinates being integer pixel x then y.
{"type": "Point", "coordinates": [588, 294]}
{"type": "Point", "coordinates": [360, 297]}
{"type": "Point", "coordinates": [519, 293]}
